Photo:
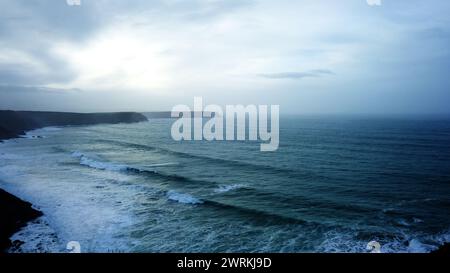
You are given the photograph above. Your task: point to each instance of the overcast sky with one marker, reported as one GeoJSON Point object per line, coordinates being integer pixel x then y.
{"type": "Point", "coordinates": [310, 56]}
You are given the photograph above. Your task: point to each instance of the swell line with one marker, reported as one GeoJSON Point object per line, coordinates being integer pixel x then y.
{"type": "Point", "coordinates": [229, 162]}
{"type": "Point", "coordinates": [109, 166]}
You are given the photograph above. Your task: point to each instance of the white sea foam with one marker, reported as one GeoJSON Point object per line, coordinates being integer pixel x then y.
{"type": "Point", "coordinates": [341, 242]}
{"type": "Point", "coordinates": [37, 236]}
{"type": "Point", "coordinates": [51, 129]}
{"type": "Point", "coordinates": [442, 238]}
{"type": "Point", "coordinates": [415, 246]}
{"type": "Point", "coordinates": [77, 154]}
{"type": "Point", "coordinates": [387, 210]}
{"type": "Point", "coordinates": [32, 135]}
{"type": "Point", "coordinates": [227, 188]}
{"type": "Point", "coordinates": [347, 242]}
{"type": "Point", "coordinates": [162, 164]}
{"type": "Point", "coordinates": [102, 165]}
{"type": "Point", "coordinates": [11, 156]}
{"type": "Point", "coordinates": [403, 222]}
{"type": "Point", "coordinates": [72, 210]}
{"type": "Point", "coordinates": [183, 198]}
{"type": "Point", "coordinates": [40, 133]}
{"type": "Point", "coordinates": [97, 164]}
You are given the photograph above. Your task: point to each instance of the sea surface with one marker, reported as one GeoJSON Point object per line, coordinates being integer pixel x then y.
{"type": "Point", "coordinates": [335, 184]}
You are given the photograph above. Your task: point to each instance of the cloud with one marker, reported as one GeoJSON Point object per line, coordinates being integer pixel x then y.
{"type": "Point", "coordinates": [297, 75]}
{"type": "Point", "coordinates": [167, 50]}
{"type": "Point", "coordinates": [28, 32]}
{"type": "Point", "coordinates": [435, 33]}
{"type": "Point", "coordinates": [33, 34]}
{"type": "Point", "coordinates": [32, 66]}
{"type": "Point", "coordinates": [188, 11]}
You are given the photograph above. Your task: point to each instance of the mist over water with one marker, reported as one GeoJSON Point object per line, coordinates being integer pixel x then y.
{"type": "Point", "coordinates": [334, 184]}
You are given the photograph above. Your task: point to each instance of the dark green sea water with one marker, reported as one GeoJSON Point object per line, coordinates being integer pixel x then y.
{"type": "Point", "coordinates": [334, 184]}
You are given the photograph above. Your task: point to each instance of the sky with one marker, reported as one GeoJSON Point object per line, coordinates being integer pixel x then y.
{"type": "Point", "coordinates": [310, 56]}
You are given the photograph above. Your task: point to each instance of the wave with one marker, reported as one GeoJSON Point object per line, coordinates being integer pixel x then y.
{"type": "Point", "coordinates": [108, 166]}
{"type": "Point", "coordinates": [162, 164]}
{"type": "Point", "coordinates": [255, 214]}
{"type": "Point", "coordinates": [102, 165]}
{"type": "Point", "coordinates": [233, 163]}
{"type": "Point", "coordinates": [77, 154]}
{"type": "Point", "coordinates": [37, 236]}
{"type": "Point", "coordinates": [257, 193]}
{"type": "Point", "coordinates": [227, 188]}
{"type": "Point", "coordinates": [96, 163]}
{"type": "Point", "coordinates": [37, 133]}
{"type": "Point", "coordinates": [183, 198]}
{"type": "Point", "coordinates": [173, 178]}
{"type": "Point", "coordinates": [247, 213]}
{"type": "Point", "coordinates": [401, 241]}
{"type": "Point", "coordinates": [412, 244]}
{"type": "Point", "coordinates": [51, 129]}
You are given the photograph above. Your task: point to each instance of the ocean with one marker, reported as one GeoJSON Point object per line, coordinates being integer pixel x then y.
{"type": "Point", "coordinates": [334, 185]}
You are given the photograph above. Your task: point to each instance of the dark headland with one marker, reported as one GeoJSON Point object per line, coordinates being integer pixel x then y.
{"type": "Point", "coordinates": [14, 212]}
{"type": "Point", "coordinates": [15, 123]}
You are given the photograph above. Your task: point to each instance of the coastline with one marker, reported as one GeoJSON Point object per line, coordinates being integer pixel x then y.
{"type": "Point", "coordinates": [15, 213]}
{"type": "Point", "coordinates": [13, 124]}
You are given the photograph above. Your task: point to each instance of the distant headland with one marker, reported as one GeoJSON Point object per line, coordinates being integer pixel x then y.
{"type": "Point", "coordinates": [15, 123]}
